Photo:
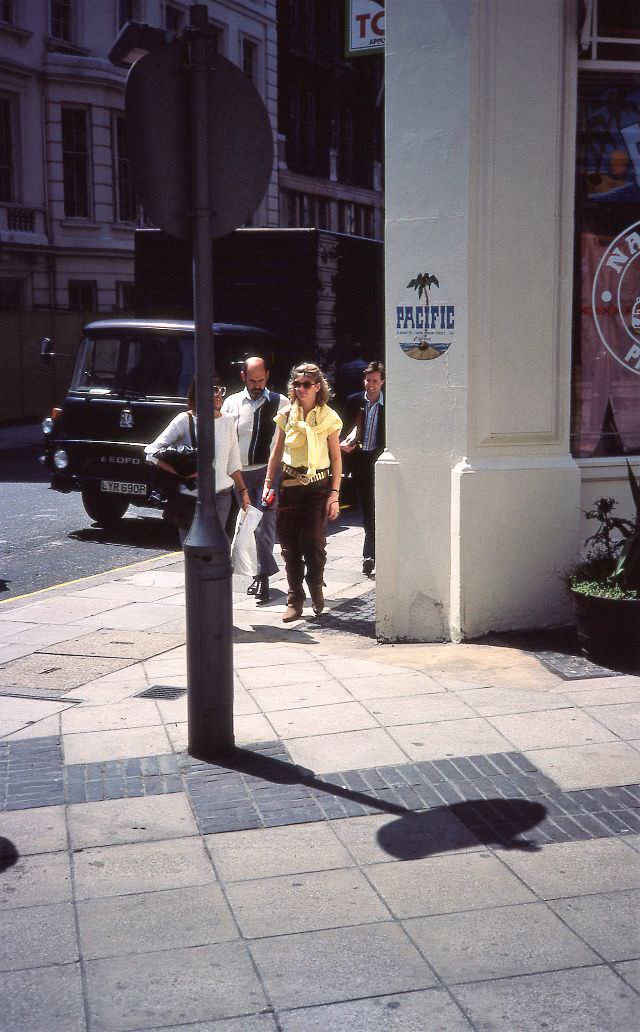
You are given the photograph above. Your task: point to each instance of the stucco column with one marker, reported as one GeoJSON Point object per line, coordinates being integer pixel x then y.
{"type": "Point", "coordinates": [477, 495]}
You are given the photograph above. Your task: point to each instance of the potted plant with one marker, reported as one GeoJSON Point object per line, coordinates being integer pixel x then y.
{"type": "Point", "coordinates": [605, 586]}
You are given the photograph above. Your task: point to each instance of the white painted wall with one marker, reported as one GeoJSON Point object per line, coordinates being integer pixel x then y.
{"type": "Point", "coordinates": [478, 498]}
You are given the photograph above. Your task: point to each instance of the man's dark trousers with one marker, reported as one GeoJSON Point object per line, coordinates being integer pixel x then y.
{"type": "Point", "coordinates": [364, 474]}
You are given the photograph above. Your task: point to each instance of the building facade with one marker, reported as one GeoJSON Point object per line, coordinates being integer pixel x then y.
{"type": "Point", "coordinates": [67, 204]}
{"type": "Point", "coordinates": [330, 116]}
{"type": "Point", "coordinates": [513, 305]}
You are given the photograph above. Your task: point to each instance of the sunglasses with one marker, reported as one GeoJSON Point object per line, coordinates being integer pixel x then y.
{"type": "Point", "coordinates": [303, 384]}
{"type": "Point", "coordinates": [221, 391]}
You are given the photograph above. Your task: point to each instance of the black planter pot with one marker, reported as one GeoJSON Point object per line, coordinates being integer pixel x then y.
{"type": "Point", "coordinates": [609, 630]}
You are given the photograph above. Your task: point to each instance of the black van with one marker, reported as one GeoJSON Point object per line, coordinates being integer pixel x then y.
{"type": "Point", "coordinates": [131, 377]}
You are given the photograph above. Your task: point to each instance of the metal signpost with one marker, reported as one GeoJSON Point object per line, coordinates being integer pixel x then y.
{"type": "Point", "coordinates": [201, 147]}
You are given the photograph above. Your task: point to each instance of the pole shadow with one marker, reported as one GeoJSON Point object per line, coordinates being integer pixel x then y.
{"type": "Point", "coordinates": [415, 834]}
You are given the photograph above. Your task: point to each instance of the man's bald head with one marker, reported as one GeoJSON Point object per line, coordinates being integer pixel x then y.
{"type": "Point", "coordinates": [255, 376]}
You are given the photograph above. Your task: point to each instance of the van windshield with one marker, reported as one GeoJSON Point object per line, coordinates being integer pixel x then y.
{"type": "Point", "coordinates": [129, 364]}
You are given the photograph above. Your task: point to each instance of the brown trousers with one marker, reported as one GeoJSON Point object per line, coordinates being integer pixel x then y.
{"type": "Point", "coordinates": [301, 521]}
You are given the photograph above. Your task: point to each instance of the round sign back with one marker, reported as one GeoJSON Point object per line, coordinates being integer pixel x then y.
{"type": "Point", "coordinates": [160, 134]}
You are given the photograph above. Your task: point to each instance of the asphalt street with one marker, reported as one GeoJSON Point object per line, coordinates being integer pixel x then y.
{"type": "Point", "coordinates": [47, 538]}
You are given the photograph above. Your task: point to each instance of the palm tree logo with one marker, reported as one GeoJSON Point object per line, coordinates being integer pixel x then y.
{"type": "Point", "coordinates": [423, 283]}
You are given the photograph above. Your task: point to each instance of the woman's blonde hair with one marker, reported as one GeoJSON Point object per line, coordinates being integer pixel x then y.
{"type": "Point", "coordinates": [316, 375]}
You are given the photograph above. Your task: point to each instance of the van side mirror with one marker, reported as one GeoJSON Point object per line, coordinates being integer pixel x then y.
{"type": "Point", "coordinates": [46, 350]}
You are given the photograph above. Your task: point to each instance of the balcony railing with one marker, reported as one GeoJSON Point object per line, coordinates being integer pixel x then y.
{"type": "Point", "coordinates": [18, 218]}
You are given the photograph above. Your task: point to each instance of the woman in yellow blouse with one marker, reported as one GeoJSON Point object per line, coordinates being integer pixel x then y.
{"type": "Point", "coordinates": [307, 445]}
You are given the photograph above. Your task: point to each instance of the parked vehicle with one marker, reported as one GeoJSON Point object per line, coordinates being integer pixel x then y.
{"type": "Point", "coordinates": [131, 377]}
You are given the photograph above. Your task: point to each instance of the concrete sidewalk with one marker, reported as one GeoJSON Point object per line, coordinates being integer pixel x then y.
{"type": "Point", "coordinates": [411, 838]}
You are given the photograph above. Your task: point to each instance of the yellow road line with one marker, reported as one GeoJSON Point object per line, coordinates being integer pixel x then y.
{"type": "Point", "coordinates": [79, 580]}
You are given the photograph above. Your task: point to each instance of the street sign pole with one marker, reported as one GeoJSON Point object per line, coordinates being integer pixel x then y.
{"type": "Point", "coordinates": [201, 146]}
{"type": "Point", "coordinates": [207, 562]}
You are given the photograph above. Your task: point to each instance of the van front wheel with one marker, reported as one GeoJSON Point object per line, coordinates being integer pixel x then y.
{"type": "Point", "coordinates": [103, 509]}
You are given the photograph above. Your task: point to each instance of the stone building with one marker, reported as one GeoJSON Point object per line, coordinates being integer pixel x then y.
{"type": "Point", "coordinates": [513, 304]}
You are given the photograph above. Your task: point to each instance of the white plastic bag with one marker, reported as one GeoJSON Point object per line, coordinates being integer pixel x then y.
{"type": "Point", "coordinates": [244, 557]}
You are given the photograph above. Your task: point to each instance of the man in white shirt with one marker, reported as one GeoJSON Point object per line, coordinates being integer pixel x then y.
{"type": "Point", "coordinates": [253, 411]}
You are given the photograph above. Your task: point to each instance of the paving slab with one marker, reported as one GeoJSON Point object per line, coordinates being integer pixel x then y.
{"type": "Point", "coordinates": [437, 741]}
{"type": "Point", "coordinates": [266, 676]}
{"type": "Point", "coordinates": [146, 922]}
{"type": "Point", "coordinates": [37, 937]}
{"type": "Point", "coordinates": [95, 746]}
{"type": "Point", "coordinates": [348, 750]}
{"type": "Point", "coordinates": [497, 943]}
{"type": "Point", "coordinates": [117, 821]}
{"type": "Point", "coordinates": [630, 971]}
{"type": "Point", "coordinates": [137, 616]}
{"type": "Point", "coordinates": [293, 696]}
{"type": "Point", "coordinates": [313, 968]}
{"type": "Point", "coordinates": [317, 720]}
{"type": "Point", "coordinates": [48, 674]}
{"type": "Point", "coordinates": [571, 868]}
{"type": "Point", "coordinates": [491, 702]}
{"type": "Point", "coordinates": [546, 729]}
{"type": "Point", "coordinates": [180, 985]}
{"type": "Point", "coordinates": [62, 609]}
{"type": "Point", "coordinates": [424, 1011]}
{"type": "Point", "coordinates": [268, 852]}
{"type": "Point", "coordinates": [437, 885]}
{"type": "Point", "coordinates": [16, 712]}
{"type": "Point", "coordinates": [141, 867]}
{"type": "Point", "coordinates": [417, 709]}
{"type": "Point", "coordinates": [590, 766]}
{"type": "Point", "coordinates": [44, 728]}
{"type": "Point", "coordinates": [385, 684]}
{"type": "Point", "coordinates": [584, 1000]}
{"type": "Point", "coordinates": [118, 645]}
{"type": "Point", "coordinates": [440, 833]}
{"type": "Point", "coordinates": [38, 830]}
{"type": "Point", "coordinates": [128, 713]}
{"type": "Point", "coordinates": [304, 902]}
{"type": "Point", "coordinates": [623, 719]}
{"type": "Point", "coordinates": [43, 1000]}
{"type": "Point", "coordinates": [45, 878]}
{"type": "Point", "coordinates": [609, 922]}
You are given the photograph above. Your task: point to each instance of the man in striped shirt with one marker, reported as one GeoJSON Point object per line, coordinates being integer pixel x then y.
{"type": "Point", "coordinates": [365, 441]}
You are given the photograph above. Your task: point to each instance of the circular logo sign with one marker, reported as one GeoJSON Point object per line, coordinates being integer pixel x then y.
{"type": "Point", "coordinates": [615, 298]}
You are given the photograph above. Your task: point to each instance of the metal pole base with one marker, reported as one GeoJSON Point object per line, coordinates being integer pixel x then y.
{"type": "Point", "coordinates": [209, 607]}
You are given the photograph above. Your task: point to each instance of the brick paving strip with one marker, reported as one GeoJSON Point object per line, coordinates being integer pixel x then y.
{"type": "Point", "coordinates": [497, 797]}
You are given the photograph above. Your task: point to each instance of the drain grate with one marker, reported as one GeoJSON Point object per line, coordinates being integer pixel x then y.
{"type": "Point", "coordinates": [162, 691]}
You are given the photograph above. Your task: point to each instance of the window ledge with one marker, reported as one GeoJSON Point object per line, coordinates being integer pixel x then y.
{"type": "Point", "coordinates": [80, 223]}
{"type": "Point", "coordinates": [62, 46]}
{"type": "Point", "coordinates": [22, 35]}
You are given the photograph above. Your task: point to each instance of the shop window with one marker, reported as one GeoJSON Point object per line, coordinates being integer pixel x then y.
{"type": "Point", "coordinates": [128, 10]}
{"type": "Point", "coordinates": [83, 295]}
{"type": "Point", "coordinates": [126, 295]}
{"type": "Point", "coordinates": [62, 19]}
{"type": "Point", "coordinates": [610, 30]}
{"type": "Point", "coordinates": [7, 158]}
{"type": "Point", "coordinates": [174, 18]}
{"type": "Point", "coordinates": [75, 162]}
{"type": "Point", "coordinates": [11, 294]}
{"type": "Point", "coordinates": [250, 60]}
{"type": "Point", "coordinates": [6, 12]}
{"type": "Point", "coordinates": [606, 364]}
{"type": "Point", "coordinates": [123, 177]}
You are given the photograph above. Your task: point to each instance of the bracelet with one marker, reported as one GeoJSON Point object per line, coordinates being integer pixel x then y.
{"type": "Point", "coordinates": [334, 491]}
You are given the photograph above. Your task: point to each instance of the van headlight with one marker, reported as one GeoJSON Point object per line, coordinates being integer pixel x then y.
{"type": "Point", "coordinates": [47, 425]}
{"type": "Point", "coordinates": [60, 459]}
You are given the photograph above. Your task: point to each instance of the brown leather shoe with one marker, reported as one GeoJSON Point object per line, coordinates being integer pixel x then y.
{"type": "Point", "coordinates": [292, 612]}
{"type": "Point", "coordinates": [317, 598]}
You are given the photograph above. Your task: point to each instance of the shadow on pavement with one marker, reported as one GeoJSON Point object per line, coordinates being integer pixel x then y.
{"type": "Point", "coordinates": [139, 531]}
{"type": "Point", "coordinates": [496, 822]}
{"type": "Point", "coordinates": [9, 855]}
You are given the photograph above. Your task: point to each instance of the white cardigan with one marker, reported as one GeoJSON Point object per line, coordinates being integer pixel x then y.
{"type": "Point", "coordinates": [227, 458]}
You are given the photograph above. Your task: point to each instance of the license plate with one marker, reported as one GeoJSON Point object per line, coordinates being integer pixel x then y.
{"type": "Point", "coordinates": [122, 487]}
